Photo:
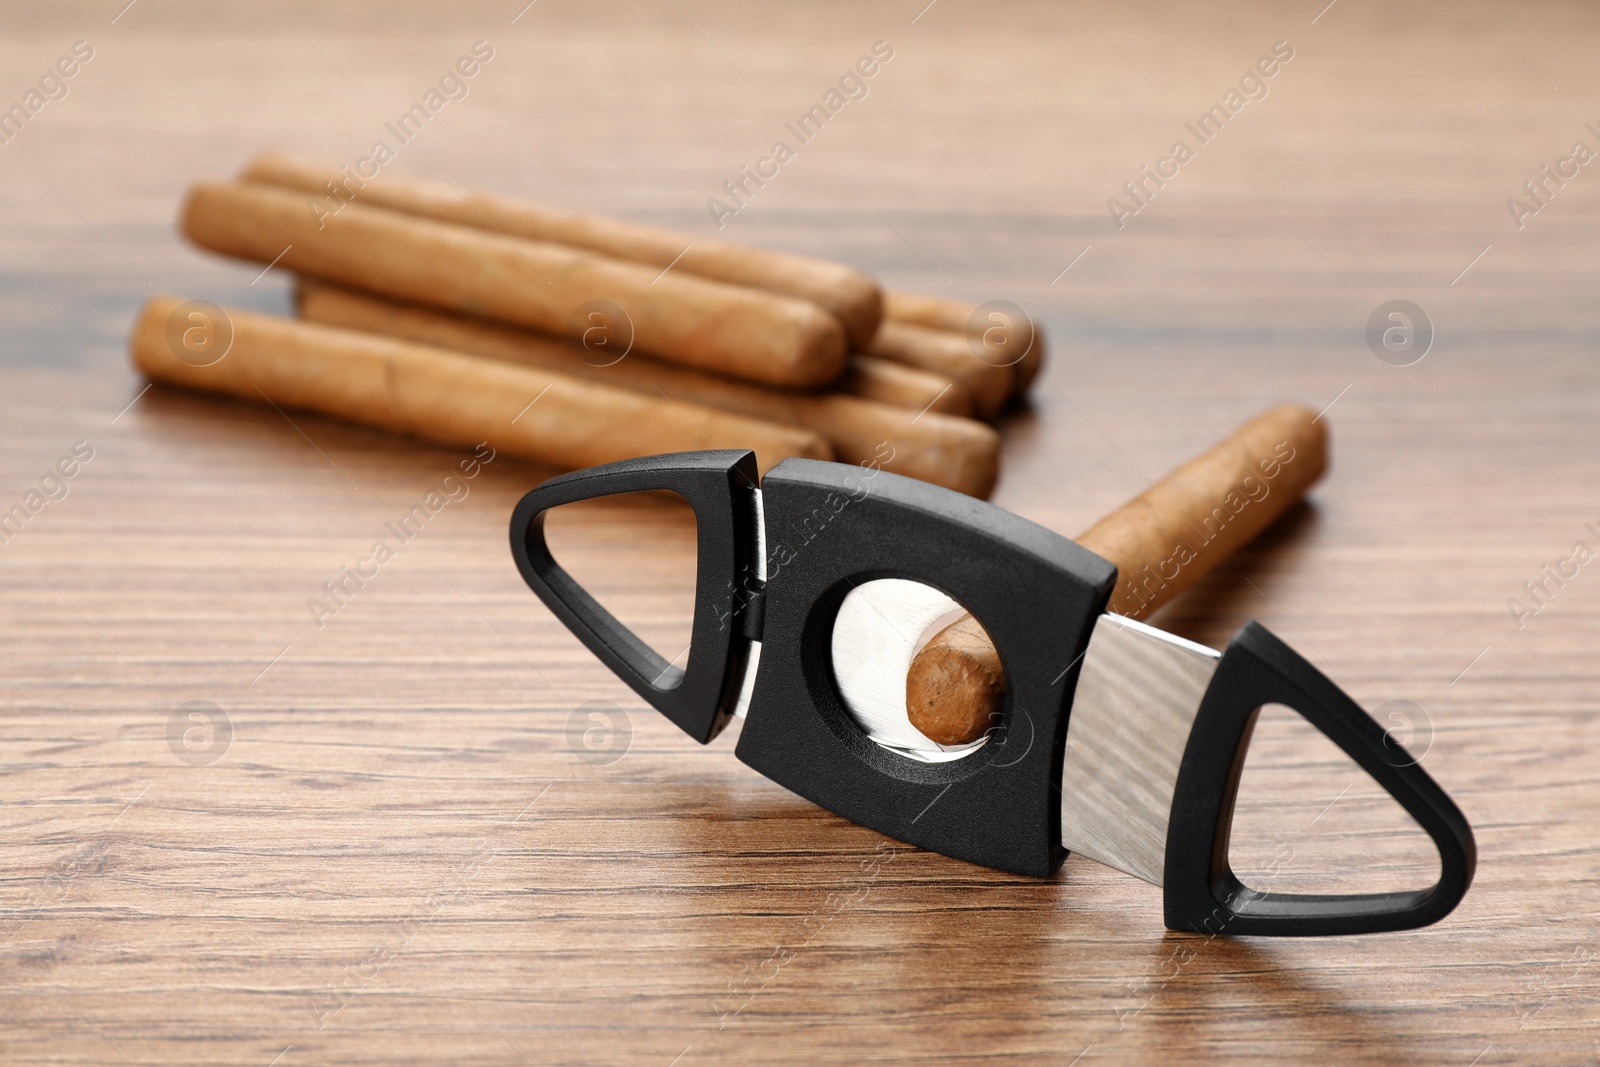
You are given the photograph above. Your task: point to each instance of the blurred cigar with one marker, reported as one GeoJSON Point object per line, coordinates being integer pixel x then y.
{"type": "Point", "coordinates": [950, 354]}
{"type": "Point", "coordinates": [958, 453]}
{"type": "Point", "coordinates": [904, 386]}
{"type": "Point", "coordinates": [435, 394]}
{"type": "Point", "coordinates": [849, 294]}
{"type": "Point", "coordinates": [744, 332]}
{"type": "Point", "coordinates": [941, 313]}
{"type": "Point", "coordinates": [1002, 333]}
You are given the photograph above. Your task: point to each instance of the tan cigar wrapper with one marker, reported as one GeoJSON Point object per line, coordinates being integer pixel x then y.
{"type": "Point", "coordinates": [442, 396]}
{"type": "Point", "coordinates": [1210, 506]}
{"type": "Point", "coordinates": [851, 295]}
{"type": "Point", "coordinates": [1162, 541]}
{"type": "Point", "coordinates": [958, 453]}
{"type": "Point", "coordinates": [733, 330]}
{"type": "Point", "coordinates": [904, 386]}
{"type": "Point", "coordinates": [947, 353]}
{"type": "Point", "coordinates": [960, 316]}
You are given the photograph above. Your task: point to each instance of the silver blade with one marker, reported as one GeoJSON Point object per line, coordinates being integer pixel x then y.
{"type": "Point", "coordinates": [747, 684]}
{"type": "Point", "coordinates": [1138, 692]}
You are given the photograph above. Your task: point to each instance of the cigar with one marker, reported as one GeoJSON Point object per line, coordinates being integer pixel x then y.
{"type": "Point", "coordinates": [434, 394]}
{"type": "Point", "coordinates": [948, 353]}
{"type": "Point", "coordinates": [1001, 335]}
{"type": "Point", "coordinates": [938, 312]}
{"type": "Point", "coordinates": [904, 386]}
{"type": "Point", "coordinates": [957, 453]}
{"type": "Point", "coordinates": [1161, 541]}
{"type": "Point", "coordinates": [850, 295]}
{"type": "Point", "coordinates": [747, 333]}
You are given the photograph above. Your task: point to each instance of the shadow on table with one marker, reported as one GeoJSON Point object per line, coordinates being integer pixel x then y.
{"type": "Point", "coordinates": [1240, 992]}
{"type": "Point", "coordinates": [816, 918]}
{"type": "Point", "coordinates": [287, 438]}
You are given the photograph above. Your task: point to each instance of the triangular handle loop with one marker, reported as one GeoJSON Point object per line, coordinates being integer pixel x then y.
{"type": "Point", "coordinates": [1203, 894]}
{"type": "Point", "coordinates": [721, 487]}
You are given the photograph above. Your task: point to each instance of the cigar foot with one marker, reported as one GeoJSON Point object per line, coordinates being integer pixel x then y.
{"type": "Point", "coordinates": [956, 687]}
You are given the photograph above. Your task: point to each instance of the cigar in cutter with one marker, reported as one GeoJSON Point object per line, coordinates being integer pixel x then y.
{"type": "Point", "coordinates": [1116, 740]}
{"type": "Point", "coordinates": [431, 393]}
{"type": "Point", "coordinates": [958, 453]}
{"type": "Point", "coordinates": [1161, 542]}
{"type": "Point", "coordinates": [849, 294]}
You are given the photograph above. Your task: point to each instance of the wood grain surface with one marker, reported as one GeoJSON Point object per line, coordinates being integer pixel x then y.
{"type": "Point", "coordinates": [402, 838]}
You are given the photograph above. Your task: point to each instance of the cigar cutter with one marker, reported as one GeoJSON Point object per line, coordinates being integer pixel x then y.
{"type": "Point", "coordinates": [1115, 740]}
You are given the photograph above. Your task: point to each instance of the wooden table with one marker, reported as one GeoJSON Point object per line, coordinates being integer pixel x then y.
{"type": "Point", "coordinates": [391, 839]}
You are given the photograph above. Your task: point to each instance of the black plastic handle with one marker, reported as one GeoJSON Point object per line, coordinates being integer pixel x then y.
{"type": "Point", "coordinates": [832, 527]}
{"type": "Point", "coordinates": [720, 486]}
{"type": "Point", "coordinates": [1203, 895]}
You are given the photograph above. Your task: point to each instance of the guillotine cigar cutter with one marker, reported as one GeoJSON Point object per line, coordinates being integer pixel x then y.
{"type": "Point", "coordinates": [1115, 740]}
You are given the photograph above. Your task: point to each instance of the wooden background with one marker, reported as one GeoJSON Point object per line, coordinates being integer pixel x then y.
{"type": "Point", "coordinates": [398, 850]}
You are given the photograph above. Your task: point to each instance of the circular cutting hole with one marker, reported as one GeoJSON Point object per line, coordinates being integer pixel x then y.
{"type": "Point", "coordinates": [880, 628]}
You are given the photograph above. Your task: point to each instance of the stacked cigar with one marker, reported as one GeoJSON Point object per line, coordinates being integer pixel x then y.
{"type": "Point", "coordinates": [572, 340]}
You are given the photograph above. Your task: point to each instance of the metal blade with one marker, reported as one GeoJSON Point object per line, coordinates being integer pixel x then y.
{"type": "Point", "coordinates": [1138, 692]}
{"type": "Point", "coordinates": [747, 684]}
